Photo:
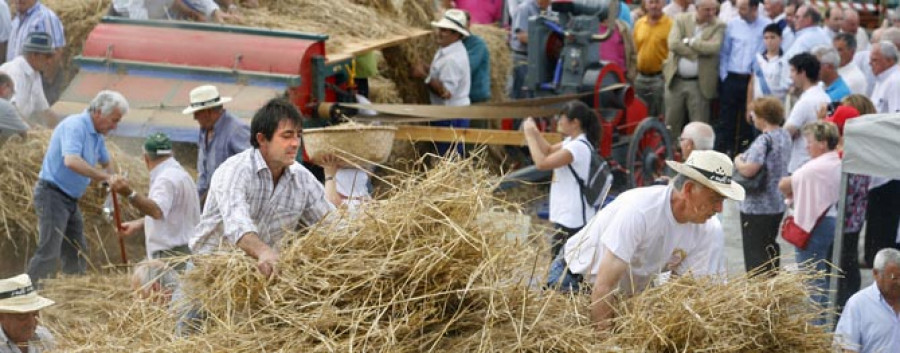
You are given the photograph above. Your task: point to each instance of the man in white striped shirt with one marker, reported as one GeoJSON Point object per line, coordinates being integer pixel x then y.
{"type": "Point", "coordinates": [32, 16]}
{"type": "Point", "coordinates": [259, 195]}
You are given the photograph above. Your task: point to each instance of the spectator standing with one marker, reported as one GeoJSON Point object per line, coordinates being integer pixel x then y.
{"type": "Point", "coordinates": [76, 147]}
{"type": "Point", "coordinates": [851, 27]}
{"type": "Point", "coordinates": [808, 35]}
{"type": "Point", "coordinates": [479, 66]}
{"type": "Point", "coordinates": [619, 47]}
{"type": "Point", "coordinates": [762, 210]}
{"type": "Point", "coordinates": [769, 68]}
{"type": "Point", "coordinates": [171, 207]}
{"type": "Point", "coordinates": [222, 134]}
{"type": "Point", "coordinates": [481, 11]}
{"type": "Point", "coordinates": [570, 162]}
{"type": "Point", "coordinates": [883, 60]}
{"type": "Point", "coordinates": [813, 191]}
{"type": "Point", "coordinates": [869, 322]}
{"type": "Point", "coordinates": [518, 42]}
{"type": "Point", "coordinates": [790, 16]}
{"type": "Point", "coordinates": [829, 61]}
{"type": "Point", "coordinates": [696, 136]}
{"type": "Point", "coordinates": [834, 19]}
{"type": "Point", "coordinates": [5, 27]}
{"type": "Point", "coordinates": [845, 44]}
{"type": "Point", "coordinates": [805, 75]}
{"type": "Point", "coordinates": [743, 39]}
{"type": "Point", "coordinates": [676, 7]}
{"type": "Point", "coordinates": [25, 71]}
{"type": "Point", "coordinates": [692, 67]}
{"type": "Point", "coordinates": [20, 307]}
{"type": "Point", "coordinates": [651, 34]}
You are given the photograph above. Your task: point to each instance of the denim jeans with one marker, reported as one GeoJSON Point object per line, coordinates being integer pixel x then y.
{"type": "Point", "coordinates": [61, 233]}
{"type": "Point", "coordinates": [822, 236]}
{"type": "Point", "coordinates": [561, 279]}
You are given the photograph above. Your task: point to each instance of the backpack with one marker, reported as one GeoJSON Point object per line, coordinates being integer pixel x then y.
{"type": "Point", "coordinates": [599, 180]}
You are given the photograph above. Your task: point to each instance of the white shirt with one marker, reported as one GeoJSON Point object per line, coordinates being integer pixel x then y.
{"type": "Point", "coordinates": [886, 94]}
{"type": "Point", "coordinates": [705, 250]}
{"type": "Point", "coordinates": [854, 78]}
{"type": "Point", "coordinates": [29, 97]}
{"type": "Point", "coordinates": [772, 71]}
{"type": "Point", "coordinates": [566, 203]}
{"type": "Point", "coordinates": [868, 324]}
{"type": "Point", "coordinates": [243, 198]}
{"type": "Point", "coordinates": [451, 67]}
{"type": "Point", "coordinates": [861, 60]}
{"type": "Point", "coordinates": [639, 228]}
{"type": "Point", "coordinates": [173, 190]}
{"type": "Point", "coordinates": [862, 40]}
{"type": "Point", "coordinates": [673, 9]}
{"type": "Point", "coordinates": [804, 112]}
{"type": "Point", "coordinates": [727, 11]}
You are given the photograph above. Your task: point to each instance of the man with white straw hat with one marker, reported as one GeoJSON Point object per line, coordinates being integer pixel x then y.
{"type": "Point", "coordinates": [222, 134]}
{"type": "Point", "coordinates": [20, 307]}
{"type": "Point", "coordinates": [629, 241]}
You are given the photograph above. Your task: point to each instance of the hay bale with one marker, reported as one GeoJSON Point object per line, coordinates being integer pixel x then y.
{"type": "Point", "coordinates": [747, 314]}
{"type": "Point", "coordinates": [20, 164]}
{"type": "Point", "coordinates": [78, 17]}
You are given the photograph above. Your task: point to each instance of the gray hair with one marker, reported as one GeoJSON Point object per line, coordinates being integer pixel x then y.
{"type": "Point", "coordinates": [827, 55]}
{"type": "Point", "coordinates": [702, 134]}
{"type": "Point", "coordinates": [106, 101]}
{"type": "Point", "coordinates": [891, 34]}
{"type": "Point", "coordinates": [889, 50]}
{"type": "Point", "coordinates": [885, 256]}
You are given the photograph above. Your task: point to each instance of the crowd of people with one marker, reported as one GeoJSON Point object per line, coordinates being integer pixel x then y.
{"type": "Point", "coordinates": [752, 93]}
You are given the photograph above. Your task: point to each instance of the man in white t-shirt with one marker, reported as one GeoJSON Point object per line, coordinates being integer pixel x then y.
{"type": "Point", "coordinates": [846, 46]}
{"type": "Point", "coordinates": [805, 77]}
{"type": "Point", "coordinates": [630, 241]}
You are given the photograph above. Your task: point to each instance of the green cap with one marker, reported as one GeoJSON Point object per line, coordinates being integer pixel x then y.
{"type": "Point", "coordinates": [158, 144]}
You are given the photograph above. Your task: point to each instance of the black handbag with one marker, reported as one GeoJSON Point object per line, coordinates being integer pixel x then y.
{"type": "Point", "coordinates": [757, 183]}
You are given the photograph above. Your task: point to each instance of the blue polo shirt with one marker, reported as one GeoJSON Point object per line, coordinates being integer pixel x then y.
{"type": "Point", "coordinates": [838, 90]}
{"type": "Point", "coordinates": [479, 66]}
{"type": "Point", "coordinates": [75, 135]}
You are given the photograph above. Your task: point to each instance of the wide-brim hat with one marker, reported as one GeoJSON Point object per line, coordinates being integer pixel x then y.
{"type": "Point", "coordinates": [205, 97]}
{"type": "Point", "coordinates": [18, 296]}
{"type": "Point", "coordinates": [713, 170]}
{"type": "Point", "coordinates": [454, 20]}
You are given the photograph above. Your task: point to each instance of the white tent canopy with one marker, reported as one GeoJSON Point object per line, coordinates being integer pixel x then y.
{"type": "Point", "coordinates": [872, 146]}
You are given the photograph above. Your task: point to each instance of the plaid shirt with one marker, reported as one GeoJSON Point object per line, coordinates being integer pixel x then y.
{"type": "Point", "coordinates": [243, 199]}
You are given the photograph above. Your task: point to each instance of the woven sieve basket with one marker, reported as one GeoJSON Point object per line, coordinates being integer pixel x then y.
{"type": "Point", "coordinates": [357, 143]}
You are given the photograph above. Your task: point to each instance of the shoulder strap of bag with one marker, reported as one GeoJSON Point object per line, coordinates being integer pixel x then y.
{"type": "Point", "coordinates": [581, 183]}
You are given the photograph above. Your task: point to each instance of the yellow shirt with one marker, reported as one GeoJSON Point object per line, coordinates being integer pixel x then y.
{"type": "Point", "coordinates": [651, 42]}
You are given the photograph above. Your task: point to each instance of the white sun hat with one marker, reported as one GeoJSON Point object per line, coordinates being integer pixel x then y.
{"type": "Point", "coordinates": [713, 170]}
{"type": "Point", "coordinates": [205, 97]}
{"type": "Point", "coordinates": [18, 296]}
{"type": "Point", "coordinates": [455, 20]}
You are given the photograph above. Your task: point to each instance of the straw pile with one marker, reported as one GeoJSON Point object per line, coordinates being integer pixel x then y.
{"type": "Point", "coordinates": [20, 163]}
{"type": "Point", "coordinates": [78, 18]}
{"type": "Point", "coordinates": [744, 315]}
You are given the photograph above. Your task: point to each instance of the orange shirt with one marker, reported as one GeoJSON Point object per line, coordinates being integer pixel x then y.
{"type": "Point", "coordinates": [651, 43]}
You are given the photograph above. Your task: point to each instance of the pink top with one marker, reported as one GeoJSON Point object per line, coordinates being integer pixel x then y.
{"type": "Point", "coordinates": [482, 11]}
{"type": "Point", "coordinates": [613, 49]}
{"type": "Point", "coordinates": [815, 186]}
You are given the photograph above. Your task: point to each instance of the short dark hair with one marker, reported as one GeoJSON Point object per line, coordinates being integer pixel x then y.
{"type": "Point", "coordinates": [848, 39]}
{"type": "Point", "coordinates": [753, 3]}
{"type": "Point", "coordinates": [6, 80]}
{"type": "Point", "coordinates": [773, 28]}
{"type": "Point", "coordinates": [268, 117]}
{"type": "Point", "coordinates": [813, 14]}
{"type": "Point", "coordinates": [808, 64]}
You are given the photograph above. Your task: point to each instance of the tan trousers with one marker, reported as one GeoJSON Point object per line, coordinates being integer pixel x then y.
{"type": "Point", "coordinates": [683, 97]}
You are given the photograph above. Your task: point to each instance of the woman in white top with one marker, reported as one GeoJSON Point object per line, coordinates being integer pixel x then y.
{"type": "Point", "coordinates": [581, 128]}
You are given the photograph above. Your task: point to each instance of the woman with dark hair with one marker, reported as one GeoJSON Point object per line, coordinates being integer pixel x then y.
{"type": "Point", "coordinates": [762, 209]}
{"type": "Point", "coordinates": [568, 210]}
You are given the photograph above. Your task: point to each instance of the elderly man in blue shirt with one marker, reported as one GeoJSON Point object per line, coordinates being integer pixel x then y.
{"type": "Point", "coordinates": [76, 148]}
{"type": "Point", "coordinates": [222, 134]}
{"type": "Point", "coordinates": [743, 39]}
{"type": "Point", "coordinates": [870, 321]}
{"type": "Point", "coordinates": [808, 34]}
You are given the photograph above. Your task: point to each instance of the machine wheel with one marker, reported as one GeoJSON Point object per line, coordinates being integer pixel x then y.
{"type": "Point", "coordinates": [648, 150]}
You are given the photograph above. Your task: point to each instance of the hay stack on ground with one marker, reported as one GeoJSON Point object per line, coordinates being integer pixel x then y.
{"type": "Point", "coordinates": [20, 164]}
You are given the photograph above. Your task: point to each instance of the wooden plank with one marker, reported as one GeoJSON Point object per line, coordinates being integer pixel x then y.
{"type": "Point", "coordinates": [473, 136]}
{"type": "Point", "coordinates": [353, 49]}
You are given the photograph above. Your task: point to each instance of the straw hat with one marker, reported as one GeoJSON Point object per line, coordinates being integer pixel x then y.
{"type": "Point", "coordinates": [18, 296]}
{"type": "Point", "coordinates": [713, 170]}
{"type": "Point", "coordinates": [453, 19]}
{"type": "Point", "coordinates": [205, 97]}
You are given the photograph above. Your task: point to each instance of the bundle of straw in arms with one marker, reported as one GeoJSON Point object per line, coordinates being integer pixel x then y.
{"type": "Point", "coordinates": [414, 272]}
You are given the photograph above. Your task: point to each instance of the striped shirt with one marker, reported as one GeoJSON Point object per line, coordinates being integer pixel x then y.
{"type": "Point", "coordinates": [243, 199]}
{"type": "Point", "coordinates": [38, 18]}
